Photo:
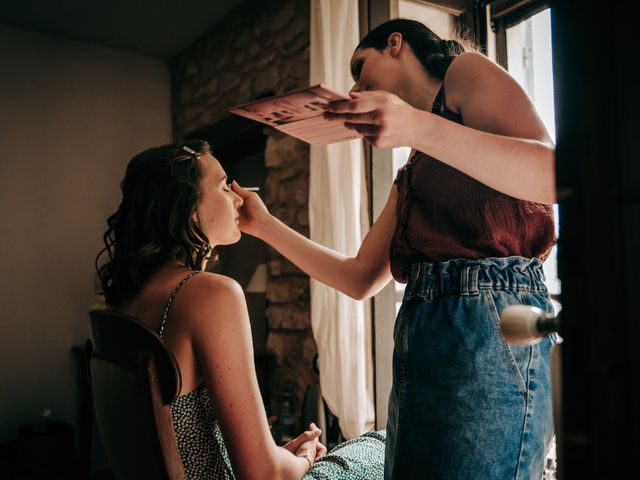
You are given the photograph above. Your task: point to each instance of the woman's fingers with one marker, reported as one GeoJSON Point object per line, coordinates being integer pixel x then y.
{"type": "Point", "coordinates": [363, 102]}
{"type": "Point", "coordinates": [300, 439]}
{"type": "Point", "coordinates": [305, 436]}
{"type": "Point", "coordinates": [315, 429]}
{"type": "Point", "coordinates": [379, 116]}
{"type": "Point", "coordinates": [241, 192]}
{"type": "Point", "coordinates": [308, 449]}
{"type": "Point", "coordinates": [374, 117]}
{"type": "Point", "coordinates": [321, 450]}
{"type": "Point", "coordinates": [365, 130]}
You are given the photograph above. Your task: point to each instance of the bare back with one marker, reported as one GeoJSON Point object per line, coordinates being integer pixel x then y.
{"type": "Point", "coordinates": [149, 306]}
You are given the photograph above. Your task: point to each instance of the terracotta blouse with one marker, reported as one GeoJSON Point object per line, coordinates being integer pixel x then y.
{"type": "Point", "coordinates": [443, 214]}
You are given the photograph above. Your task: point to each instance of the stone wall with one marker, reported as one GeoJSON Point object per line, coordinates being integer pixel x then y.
{"type": "Point", "coordinates": [259, 49]}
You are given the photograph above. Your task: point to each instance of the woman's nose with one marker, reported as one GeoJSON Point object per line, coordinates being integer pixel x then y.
{"type": "Point", "coordinates": [238, 200]}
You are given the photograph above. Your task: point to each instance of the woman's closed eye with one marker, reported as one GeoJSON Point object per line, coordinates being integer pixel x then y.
{"type": "Point", "coordinates": [226, 183]}
{"type": "Point", "coordinates": [356, 69]}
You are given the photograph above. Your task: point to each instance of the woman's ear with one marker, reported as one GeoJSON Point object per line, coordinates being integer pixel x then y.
{"type": "Point", "coordinates": [195, 218]}
{"type": "Point", "coordinates": [394, 43]}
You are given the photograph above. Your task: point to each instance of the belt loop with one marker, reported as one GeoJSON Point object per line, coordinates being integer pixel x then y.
{"type": "Point", "coordinates": [416, 272]}
{"type": "Point", "coordinates": [541, 277]}
{"type": "Point", "coordinates": [464, 280]}
{"type": "Point", "coordinates": [469, 280]}
{"type": "Point", "coordinates": [473, 280]}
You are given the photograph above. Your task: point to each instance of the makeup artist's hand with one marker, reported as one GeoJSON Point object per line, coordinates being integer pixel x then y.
{"type": "Point", "coordinates": [252, 211]}
{"type": "Point", "coordinates": [384, 119]}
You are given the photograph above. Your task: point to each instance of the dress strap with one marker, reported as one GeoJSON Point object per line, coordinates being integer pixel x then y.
{"type": "Point", "coordinates": [440, 107]}
{"type": "Point", "coordinates": [175, 291]}
{"type": "Point", "coordinates": [439, 101]}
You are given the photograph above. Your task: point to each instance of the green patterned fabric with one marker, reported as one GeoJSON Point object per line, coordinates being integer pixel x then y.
{"type": "Point", "coordinates": [360, 458]}
{"type": "Point", "coordinates": [205, 456]}
{"type": "Point", "coordinates": [200, 443]}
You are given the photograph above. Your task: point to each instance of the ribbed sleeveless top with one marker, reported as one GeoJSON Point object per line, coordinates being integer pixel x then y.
{"type": "Point", "coordinates": [444, 214]}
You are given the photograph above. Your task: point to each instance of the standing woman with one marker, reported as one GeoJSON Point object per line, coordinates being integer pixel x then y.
{"type": "Point", "coordinates": [467, 226]}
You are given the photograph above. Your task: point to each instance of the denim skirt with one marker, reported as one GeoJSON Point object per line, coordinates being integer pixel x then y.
{"type": "Point", "coordinates": [465, 404]}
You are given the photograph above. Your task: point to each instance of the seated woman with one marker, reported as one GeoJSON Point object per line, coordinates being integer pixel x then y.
{"type": "Point", "coordinates": [176, 206]}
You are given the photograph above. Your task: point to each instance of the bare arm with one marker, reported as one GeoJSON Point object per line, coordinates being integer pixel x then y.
{"type": "Point", "coordinates": [221, 339]}
{"type": "Point", "coordinates": [503, 142]}
{"type": "Point", "coordinates": [359, 277]}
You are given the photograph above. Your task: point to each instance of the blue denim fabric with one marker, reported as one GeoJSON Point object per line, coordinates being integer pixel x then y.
{"type": "Point", "coordinates": [464, 404]}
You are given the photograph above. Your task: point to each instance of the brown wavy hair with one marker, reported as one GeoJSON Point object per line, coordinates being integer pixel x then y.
{"type": "Point", "coordinates": [154, 221]}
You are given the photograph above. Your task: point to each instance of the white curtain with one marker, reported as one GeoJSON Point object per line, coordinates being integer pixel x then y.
{"type": "Point", "coordinates": [338, 219]}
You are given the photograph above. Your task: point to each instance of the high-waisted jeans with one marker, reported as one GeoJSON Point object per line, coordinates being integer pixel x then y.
{"type": "Point", "coordinates": [464, 403]}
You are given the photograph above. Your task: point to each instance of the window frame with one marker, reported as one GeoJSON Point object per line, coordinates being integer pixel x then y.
{"type": "Point", "coordinates": [504, 14]}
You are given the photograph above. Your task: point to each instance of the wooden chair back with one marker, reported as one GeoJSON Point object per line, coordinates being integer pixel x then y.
{"type": "Point", "coordinates": [133, 379]}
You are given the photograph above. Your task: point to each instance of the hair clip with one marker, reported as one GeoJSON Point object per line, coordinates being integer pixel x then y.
{"type": "Point", "coordinates": [190, 150]}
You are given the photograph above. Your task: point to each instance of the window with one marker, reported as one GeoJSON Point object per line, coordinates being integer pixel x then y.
{"type": "Point", "coordinates": [529, 60]}
{"type": "Point", "coordinates": [530, 63]}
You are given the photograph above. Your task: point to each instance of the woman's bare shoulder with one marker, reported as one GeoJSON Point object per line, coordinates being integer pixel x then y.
{"type": "Point", "coordinates": [466, 71]}
{"type": "Point", "coordinates": [471, 64]}
{"type": "Point", "coordinates": [490, 99]}
{"type": "Point", "coordinates": [214, 284]}
{"type": "Point", "coordinates": [211, 296]}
